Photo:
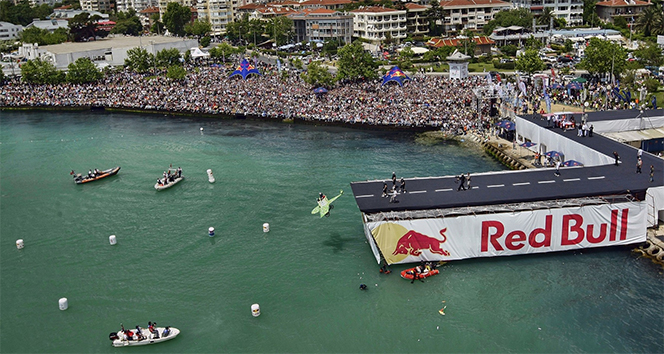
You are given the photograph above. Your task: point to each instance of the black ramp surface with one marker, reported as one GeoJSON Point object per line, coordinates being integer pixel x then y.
{"type": "Point", "coordinates": [522, 186]}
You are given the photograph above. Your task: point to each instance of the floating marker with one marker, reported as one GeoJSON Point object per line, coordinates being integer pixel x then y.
{"type": "Point", "coordinates": [211, 231]}
{"type": "Point", "coordinates": [112, 240]}
{"type": "Point", "coordinates": [201, 128]}
{"type": "Point", "coordinates": [19, 244]}
{"type": "Point", "coordinates": [266, 227]}
{"type": "Point", "coordinates": [63, 304]}
{"type": "Point", "coordinates": [255, 310]}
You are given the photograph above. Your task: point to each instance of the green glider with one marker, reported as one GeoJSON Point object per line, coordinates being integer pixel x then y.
{"type": "Point", "coordinates": [325, 205]}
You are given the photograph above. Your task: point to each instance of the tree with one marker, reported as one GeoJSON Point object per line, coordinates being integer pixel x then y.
{"type": "Point", "coordinates": [604, 57]}
{"type": "Point", "coordinates": [649, 55]}
{"type": "Point", "coordinates": [590, 13]}
{"type": "Point", "coordinates": [406, 58]}
{"type": "Point", "coordinates": [518, 17]}
{"type": "Point", "coordinates": [82, 26]}
{"type": "Point", "coordinates": [157, 26]}
{"type": "Point", "coordinates": [438, 54]}
{"type": "Point", "coordinates": [569, 46]}
{"type": "Point", "coordinates": [434, 14]}
{"type": "Point", "coordinates": [651, 21]}
{"type": "Point", "coordinates": [198, 28]}
{"type": "Point", "coordinates": [355, 63]}
{"type": "Point", "coordinates": [175, 18]}
{"type": "Point", "coordinates": [223, 51]}
{"type": "Point", "coordinates": [2, 77]}
{"type": "Point", "coordinates": [317, 75]}
{"type": "Point", "coordinates": [330, 47]}
{"type": "Point", "coordinates": [81, 71]}
{"type": "Point", "coordinates": [128, 23]}
{"type": "Point", "coordinates": [529, 62]}
{"type": "Point", "coordinates": [168, 57]}
{"type": "Point", "coordinates": [39, 71]}
{"type": "Point", "coordinates": [139, 60]}
{"type": "Point", "coordinates": [176, 72]}
{"type": "Point", "coordinates": [205, 41]}
{"type": "Point", "coordinates": [22, 13]}
{"type": "Point", "coordinates": [509, 50]}
{"type": "Point", "coordinates": [42, 36]}
{"type": "Point", "coordinates": [279, 29]}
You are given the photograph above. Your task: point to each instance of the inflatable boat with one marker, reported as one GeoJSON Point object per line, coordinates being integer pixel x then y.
{"type": "Point", "coordinates": [80, 179]}
{"type": "Point", "coordinates": [410, 273]}
{"type": "Point", "coordinates": [129, 338]}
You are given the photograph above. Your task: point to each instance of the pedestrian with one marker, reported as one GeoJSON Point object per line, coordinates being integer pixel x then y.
{"type": "Point", "coordinates": [403, 185]}
{"type": "Point", "coordinates": [652, 173]}
{"type": "Point", "coordinates": [384, 190]}
{"type": "Point", "coordinates": [616, 156]}
{"type": "Point", "coordinates": [363, 286]}
{"type": "Point", "coordinates": [557, 173]}
{"type": "Point", "coordinates": [462, 182]}
{"type": "Point", "coordinates": [468, 180]}
{"type": "Point", "coordinates": [394, 179]}
{"type": "Point", "coordinates": [590, 131]}
{"type": "Point", "coordinates": [639, 164]}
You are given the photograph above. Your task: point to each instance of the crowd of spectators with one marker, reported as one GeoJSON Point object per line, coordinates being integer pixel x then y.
{"type": "Point", "coordinates": [425, 101]}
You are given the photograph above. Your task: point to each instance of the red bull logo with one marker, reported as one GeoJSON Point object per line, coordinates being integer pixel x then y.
{"type": "Point", "coordinates": [413, 243]}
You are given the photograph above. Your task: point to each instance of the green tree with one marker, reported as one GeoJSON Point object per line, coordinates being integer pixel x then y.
{"type": "Point", "coordinates": [168, 57]}
{"type": "Point", "coordinates": [518, 17]}
{"type": "Point", "coordinates": [38, 71]}
{"type": "Point", "coordinates": [602, 56]}
{"type": "Point", "coordinates": [82, 26]}
{"type": "Point", "coordinates": [620, 23]}
{"type": "Point", "coordinates": [568, 46]}
{"type": "Point", "coordinates": [438, 54]}
{"type": "Point", "coordinates": [157, 25]}
{"type": "Point", "coordinates": [139, 60]}
{"type": "Point", "coordinates": [81, 71]}
{"type": "Point", "coordinates": [509, 50]}
{"type": "Point", "coordinates": [651, 85]}
{"type": "Point", "coordinates": [650, 55]}
{"type": "Point", "coordinates": [590, 13]}
{"type": "Point", "coordinates": [406, 58]}
{"type": "Point", "coordinates": [330, 47]}
{"type": "Point", "coordinates": [355, 63]}
{"type": "Point", "coordinates": [529, 62]}
{"type": "Point", "coordinates": [23, 13]}
{"type": "Point", "coordinates": [255, 31]}
{"type": "Point", "coordinates": [198, 28]}
{"type": "Point", "coordinates": [205, 41]}
{"type": "Point", "coordinates": [128, 23]}
{"type": "Point", "coordinates": [651, 21]}
{"type": "Point", "coordinates": [176, 72]}
{"type": "Point", "coordinates": [223, 51]}
{"type": "Point", "coordinates": [317, 75]}
{"type": "Point", "coordinates": [2, 77]}
{"type": "Point", "coordinates": [43, 37]}
{"type": "Point", "coordinates": [175, 18]}
{"type": "Point", "coordinates": [434, 14]}
{"type": "Point", "coordinates": [279, 29]}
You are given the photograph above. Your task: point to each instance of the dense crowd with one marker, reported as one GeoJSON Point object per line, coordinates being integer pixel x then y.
{"type": "Point", "coordinates": [425, 101]}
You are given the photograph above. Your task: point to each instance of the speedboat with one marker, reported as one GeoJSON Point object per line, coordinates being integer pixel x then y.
{"type": "Point", "coordinates": [410, 273]}
{"type": "Point", "coordinates": [80, 179]}
{"type": "Point", "coordinates": [130, 338]}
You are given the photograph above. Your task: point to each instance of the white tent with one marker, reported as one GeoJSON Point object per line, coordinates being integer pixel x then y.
{"type": "Point", "coordinates": [197, 53]}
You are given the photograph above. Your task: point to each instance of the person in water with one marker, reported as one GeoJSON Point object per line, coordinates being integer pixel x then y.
{"type": "Point", "coordinates": [363, 286]}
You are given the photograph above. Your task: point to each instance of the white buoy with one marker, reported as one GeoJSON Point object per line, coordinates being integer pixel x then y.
{"type": "Point", "coordinates": [201, 128]}
{"type": "Point", "coordinates": [266, 227]}
{"type": "Point", "coordinates": [210, 176]}
{"type": "Point", "coordinates": [112, 240]}
{"type": "Point", "coordinates": [211, 231]}
{"type": "Point", "coordinates": [255, 310]}
{"type": "Point", "coordinates": [63, 304]}
{"type": "Point", "coordinates": [19, 244]}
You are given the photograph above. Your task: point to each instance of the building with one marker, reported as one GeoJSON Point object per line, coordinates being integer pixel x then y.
{"type": "Point", "coordinates": [629, 9]}
{"type": "Point", "coordinates": [218, 12]}
{"type": "Point", "coordinates": [138, 5]}
{"type": "Point", "coordinates": [322, 24]}
{"type": "Point", "coordinates": [35, 3]}
{"type": "Point", "coordinates": [146, 15]}
{"type": "Point", "coordinates": [378, 23]}
{"type": "Point", "coordinates": [110, 51]}
{"type": "Point", "coordinates": [570, 10]}
{"type": "Point", "coordinates": [9, 31]}
{"type": "Point", "coordinates": [95, 5]}
{"type": "Point", "coordinates": [68, 14]}
{"type": "Point", "coordinates": [470, 14]}
{"type": "Point", "coordinates": [163, 4]}
{"type": "Point", "coordinates": [326, 4]}
{"type": "Point", "coordinates": [482, 43]}
{"type": "Point", "coordinates": [49, 25]}
{"type": "Point", "coordinates": [417, 22]}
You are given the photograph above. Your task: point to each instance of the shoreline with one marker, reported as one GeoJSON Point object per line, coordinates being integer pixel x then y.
{"type": "Point", "coordinates": [238, 116]}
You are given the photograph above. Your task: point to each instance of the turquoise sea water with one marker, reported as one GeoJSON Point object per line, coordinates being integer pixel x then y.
{"type": "Point", "coordinates": [304, 273]}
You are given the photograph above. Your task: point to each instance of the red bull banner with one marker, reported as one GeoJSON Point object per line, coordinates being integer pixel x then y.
{"type": "Point", "coordinates": [507, 234]}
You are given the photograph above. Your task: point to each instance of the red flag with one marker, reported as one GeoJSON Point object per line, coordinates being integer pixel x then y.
{"type": "Point", "coordinates": [553, 73]}
{"type": "Point", "coordinates": [498, 77]}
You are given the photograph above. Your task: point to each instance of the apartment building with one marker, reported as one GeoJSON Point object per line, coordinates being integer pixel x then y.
{"type": "Point", "coordinates": [138, 5]}
{"type": "Point", "coordinates": [95, 5]}
{"type": "Point", "coordinates": [326, 4]}
{"type": "Point", "coordinates": [378, 23]}
{"type": "Point", "coordinates": [9, 31]}
{"type": "Point", "coordinates": [322, 24]}
{"type": "Point", "coordinates": [417, 22]}
{"type": "Point", "coordinates": [471, 14]}
{"type": "Point", "coordinates": [218, 12]}
{"type": "Point", "coordinates": [570, 10]}
{"type": "Point", "coordinates": [629, 9]}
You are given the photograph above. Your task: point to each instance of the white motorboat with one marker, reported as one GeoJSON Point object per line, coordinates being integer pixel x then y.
{"type": "Point", "coordinates": [159, 186]}
{"type": "Point", "coordinates": [210, 176]}
{"type": "Point", "coordinates": [130, 338]}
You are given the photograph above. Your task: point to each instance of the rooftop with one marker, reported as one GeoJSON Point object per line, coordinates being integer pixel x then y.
{"type": "Point", "coordinates": [623, 3]}
{"type": "Point", "coordinates": [115, 42]}
{"type": "Point", "coordinates": [474, 3]}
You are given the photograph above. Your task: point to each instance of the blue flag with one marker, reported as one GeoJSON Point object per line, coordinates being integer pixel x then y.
{"type": "Point", "coordinates": [654, 102]}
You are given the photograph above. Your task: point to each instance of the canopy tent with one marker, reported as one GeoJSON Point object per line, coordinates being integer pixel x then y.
{"type": "Point", "coordinates": [574, 86]}
{"type": "Point", "coordinates": [416, 50]}
{"type": "Point", "coordinates": [395, 74]}
{"type": "Point", "coordinates": [528, 144]}
{"type": "Point", "coordinates": [198, 53]}
{"type": "Point", "coordinates": [569, 163]}
{"type": "Point", "coordinates": [554, 154]}
{"type": "Point", "coordinates": [506, 124]}
{"type": "Point", "coordinates": [245, 69]}
{"type": "Point", "coordinates": [320, 90]}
